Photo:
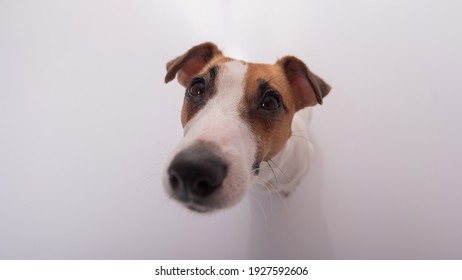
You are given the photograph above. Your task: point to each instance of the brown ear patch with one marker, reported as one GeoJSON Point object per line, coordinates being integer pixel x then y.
{"type": "Point", "coordinates": [310, 89]}
{"type": "Point", "coordinates": [191, 63]}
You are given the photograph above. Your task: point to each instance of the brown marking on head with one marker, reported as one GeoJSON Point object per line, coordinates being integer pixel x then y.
{"type": "Point", "coordinates": [293, 85]}
{"type": "Point", "coordinates": [272, 127]}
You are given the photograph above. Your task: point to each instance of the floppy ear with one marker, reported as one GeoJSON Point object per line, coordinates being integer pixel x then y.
{"type": "Point", "coordinates": [310, 89]}
{"type": "Point", "coordinates": [190, 63]}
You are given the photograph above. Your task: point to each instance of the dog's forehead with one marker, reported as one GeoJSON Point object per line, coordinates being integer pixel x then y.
{"type": "Point", "coordinates": [228, 82]}
{"type": "Point", "coordinates": [232, 73]}
{"type": "Point", "coordinates": [268, 73]}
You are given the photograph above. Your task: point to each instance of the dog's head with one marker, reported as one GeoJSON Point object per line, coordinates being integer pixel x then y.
{"type": "Point", "coordinates": [235, 115]}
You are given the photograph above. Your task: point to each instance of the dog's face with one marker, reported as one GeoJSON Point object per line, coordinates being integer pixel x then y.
{"type": "Point", "coordinates": [235, 115]}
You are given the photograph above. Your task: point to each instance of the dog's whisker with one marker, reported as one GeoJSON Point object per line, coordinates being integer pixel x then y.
{"type": "Point", "coordinates": [267, 185]}
{"type": "Point", "coordinates": [252, 172]}
{"type": "Point", "coordinates": [280, 170]}
{"type": "Point", "coordinates": [270, 190]}
{"type": "Point", "coordinates": [272, 170]}
{"type": "Point", "coordinates": [270, 187]}
{"type": "Point", "coordinates": [266, 188]}
{"type": "Point", "coordinates": [273, 189]}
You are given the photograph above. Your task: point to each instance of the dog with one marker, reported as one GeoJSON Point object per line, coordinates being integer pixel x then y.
{"type": "Point", "coordinates": [245, 124]}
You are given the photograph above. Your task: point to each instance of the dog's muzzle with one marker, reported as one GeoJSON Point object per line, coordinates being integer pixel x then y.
{"type": "Point", "coordinates": [195, 174]}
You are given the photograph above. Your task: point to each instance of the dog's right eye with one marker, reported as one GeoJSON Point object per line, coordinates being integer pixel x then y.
{"type": "Point", "coordinates": [197, 88]}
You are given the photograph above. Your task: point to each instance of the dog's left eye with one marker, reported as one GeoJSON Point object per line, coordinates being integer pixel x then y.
{"type": "Point", "coordinates": [197, 89]}
{"type": "Point", "coordinates": [271, 102]}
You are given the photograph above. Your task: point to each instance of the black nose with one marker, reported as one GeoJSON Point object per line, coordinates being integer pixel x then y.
{"type": "Point", "coordinates": [196, 173]}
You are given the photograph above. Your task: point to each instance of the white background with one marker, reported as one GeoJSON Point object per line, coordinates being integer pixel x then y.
{"type": "Point", "coordinates": [86, 123]}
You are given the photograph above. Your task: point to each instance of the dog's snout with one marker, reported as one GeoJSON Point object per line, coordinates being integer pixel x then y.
{"type": "Point", "coordinates": [196, 173]}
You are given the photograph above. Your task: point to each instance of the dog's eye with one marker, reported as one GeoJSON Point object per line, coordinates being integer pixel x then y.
{"type": "Point", "coordinates": [271, 102]}
{"type": "Point", "coordinates": [197, 89]}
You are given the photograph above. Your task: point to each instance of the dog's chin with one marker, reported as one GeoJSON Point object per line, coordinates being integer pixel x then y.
{"type": "Point", "coordinates": [199, 208]}
{"type": "Point", "coordinates": [212, 204]}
